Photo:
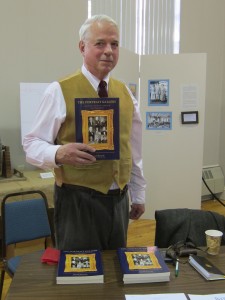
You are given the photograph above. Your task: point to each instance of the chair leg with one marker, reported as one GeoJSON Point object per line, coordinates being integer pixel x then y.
{"type": "Point", "coordinates": [2, 282]}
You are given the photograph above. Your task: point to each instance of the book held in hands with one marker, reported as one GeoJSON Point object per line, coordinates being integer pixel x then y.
{"type": "Point", "coordinates": [142, 265]}
{"type": "Point", "coordinates": [80, 267]}
{"type": "Point", "coordinates": [205, 268]}
{"type": "Point", "coordinates": [97, 124]}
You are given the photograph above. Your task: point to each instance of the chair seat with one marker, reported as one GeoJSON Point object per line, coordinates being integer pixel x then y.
{"type": "Point", "coordinates": [13, 263]}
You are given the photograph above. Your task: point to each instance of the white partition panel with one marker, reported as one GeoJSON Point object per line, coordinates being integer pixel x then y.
{"type": "Point", "coordinates": [173, 158]}
{"type": "Point", "coordinates": [127, 68]}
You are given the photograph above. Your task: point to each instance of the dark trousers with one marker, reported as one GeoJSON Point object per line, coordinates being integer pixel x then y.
{"type": "Point", "coordinates": [86, 219]}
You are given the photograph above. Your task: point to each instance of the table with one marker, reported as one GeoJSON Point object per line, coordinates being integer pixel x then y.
{"type": "Point", "coordinates": [33, 182]}
{"type": "Point", "coordinates": [34, 280]}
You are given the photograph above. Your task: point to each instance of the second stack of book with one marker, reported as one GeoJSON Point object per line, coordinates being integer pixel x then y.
{"type": "Point", "coordinates": [142, 265]}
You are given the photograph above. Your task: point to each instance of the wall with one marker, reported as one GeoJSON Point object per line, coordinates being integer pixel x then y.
{"type": "Point", "coordinates": [39, 43]}
{"type": "Point", "coordinates": [203, 30]}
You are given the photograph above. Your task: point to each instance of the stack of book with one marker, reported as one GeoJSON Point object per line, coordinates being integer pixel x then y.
{"type": "Point", "coordinates": [79, 267]}
{"type": "Point", "coordinates": [142, 265]}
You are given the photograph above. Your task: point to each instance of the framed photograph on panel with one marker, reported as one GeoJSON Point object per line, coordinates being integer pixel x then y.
{"type": "Point", "coordinates": [158, 120]}
{"type": "Point", "coordinates": [158, 92]}
{"type": "Point", "coordinates": [189, 117]}
{"type": "Point", "coordinates": [133, 88]}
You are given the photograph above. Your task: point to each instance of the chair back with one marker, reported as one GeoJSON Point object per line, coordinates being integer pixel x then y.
{"type": "Point", "coordinates": [25, 220]}
{"type": "Point", "coordinates": [187, 225]}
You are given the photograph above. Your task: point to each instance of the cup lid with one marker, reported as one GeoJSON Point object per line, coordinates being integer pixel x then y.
{"type": "Point", "coordinates": [213, 232]}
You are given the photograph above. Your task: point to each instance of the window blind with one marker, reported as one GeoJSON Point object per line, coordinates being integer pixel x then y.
{"type": "Point", "coordinates": [146, 26]}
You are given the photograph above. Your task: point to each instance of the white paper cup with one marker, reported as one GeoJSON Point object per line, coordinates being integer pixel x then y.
{"type": "Point", "coordinates": [213, 241]}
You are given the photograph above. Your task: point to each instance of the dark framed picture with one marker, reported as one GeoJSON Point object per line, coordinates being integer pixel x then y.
{"type": "Point", "coordinates": [158, 92]}
{"type": "Point", "coordinates": [189, 117]}
{"type": "Point", "coordinates": [158, 120]}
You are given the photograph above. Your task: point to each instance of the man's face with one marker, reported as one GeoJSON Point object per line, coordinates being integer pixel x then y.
{"type": "Point", "coordinates": [100, 49]}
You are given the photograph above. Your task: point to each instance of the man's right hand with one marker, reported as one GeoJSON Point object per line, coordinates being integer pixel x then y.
{"type": "Point", "coordinates": [75, 154]}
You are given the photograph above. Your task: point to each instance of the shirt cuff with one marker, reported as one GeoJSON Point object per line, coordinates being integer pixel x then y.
{"type": "Point", "coordinates": [50, 156]}
{"type": "Point", "coordinates": [137, 197]}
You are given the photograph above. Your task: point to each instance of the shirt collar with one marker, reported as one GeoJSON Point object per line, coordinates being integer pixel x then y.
{"type": "Point", "coordinates": [92, 79]}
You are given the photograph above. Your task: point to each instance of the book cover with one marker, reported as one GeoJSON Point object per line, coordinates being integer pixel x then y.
{"type": "Point", "coordinates": [143, 264]}
{"type": "Point", "coordinates": [206, 268]}
{"type": "Point", "coordinates": [78, 267]}
{"type": "Point", "coordinates": [97, 124]}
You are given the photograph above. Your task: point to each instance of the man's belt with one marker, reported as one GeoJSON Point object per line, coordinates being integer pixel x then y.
{"type": "Point", "coordinates": [113, 192]}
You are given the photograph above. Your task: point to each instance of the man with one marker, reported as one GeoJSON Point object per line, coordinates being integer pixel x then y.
{"type": "Point", "coordinates": [91, 122]}
{"type": "Point", "coordinates": [91, 134]}
{"type": "Point", "coordinates": [91, 197]}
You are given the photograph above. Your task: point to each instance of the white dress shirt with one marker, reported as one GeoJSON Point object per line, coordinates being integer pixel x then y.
{"type": "Point", "coordinates": [39, 142]}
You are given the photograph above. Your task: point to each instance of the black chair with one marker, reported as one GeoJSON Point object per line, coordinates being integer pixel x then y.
{"type": "Point", "coordinates": [187, 225]}
{"type": "Point", "coordinates": [23, 220]}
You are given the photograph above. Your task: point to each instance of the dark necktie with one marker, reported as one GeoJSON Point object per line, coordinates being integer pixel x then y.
{"type": "Point", "coordinates": [102, 89]}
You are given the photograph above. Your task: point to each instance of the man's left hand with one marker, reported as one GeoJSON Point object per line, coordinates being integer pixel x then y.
{"type": "Point", "coordinates": [136, 211]}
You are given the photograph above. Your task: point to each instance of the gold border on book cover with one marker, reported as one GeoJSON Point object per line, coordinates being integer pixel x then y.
{"type": "Point", "coordinates": [80, 263]}
{"type": "Point", "coordinates": [108, 114]}
{"type": "Point", "coordinates": [142, 261]}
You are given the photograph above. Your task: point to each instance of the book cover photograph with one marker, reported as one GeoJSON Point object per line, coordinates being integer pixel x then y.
{"type": "Point", "coordinates": [142, 265]}
{"type": "Point", "coordinates": [97, 124]}
{"type": "Point", "coordinates": [206, 268]}
{"type": "Point", "coordinates": [79, 267]}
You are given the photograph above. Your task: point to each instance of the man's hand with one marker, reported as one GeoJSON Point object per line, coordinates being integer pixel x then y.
{"type": "Point", "coordinates": [136, 211]}
{"type": "Point", "coordinates": [75, 154]}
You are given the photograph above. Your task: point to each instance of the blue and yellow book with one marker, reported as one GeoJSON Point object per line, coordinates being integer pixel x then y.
{"type": "Point", "coordinates": [97, 124]}
{"type": "Point", "coordinates": [142, 265]}
{"type": "Point", "coordinates": [79, 267]}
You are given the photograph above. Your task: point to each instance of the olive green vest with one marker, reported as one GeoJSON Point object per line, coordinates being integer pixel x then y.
{"type": "Point", "coordinates": [101, 174]}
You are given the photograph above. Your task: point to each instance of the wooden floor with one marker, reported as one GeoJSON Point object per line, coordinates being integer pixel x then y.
{"type": "Point", "coordinates": [140, 233]}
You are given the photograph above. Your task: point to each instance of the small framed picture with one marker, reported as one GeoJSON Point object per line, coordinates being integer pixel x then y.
{"type": "Point", "coordinates": [189, 117]}
{"type": "Point", "coordinates": [159, 120]}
